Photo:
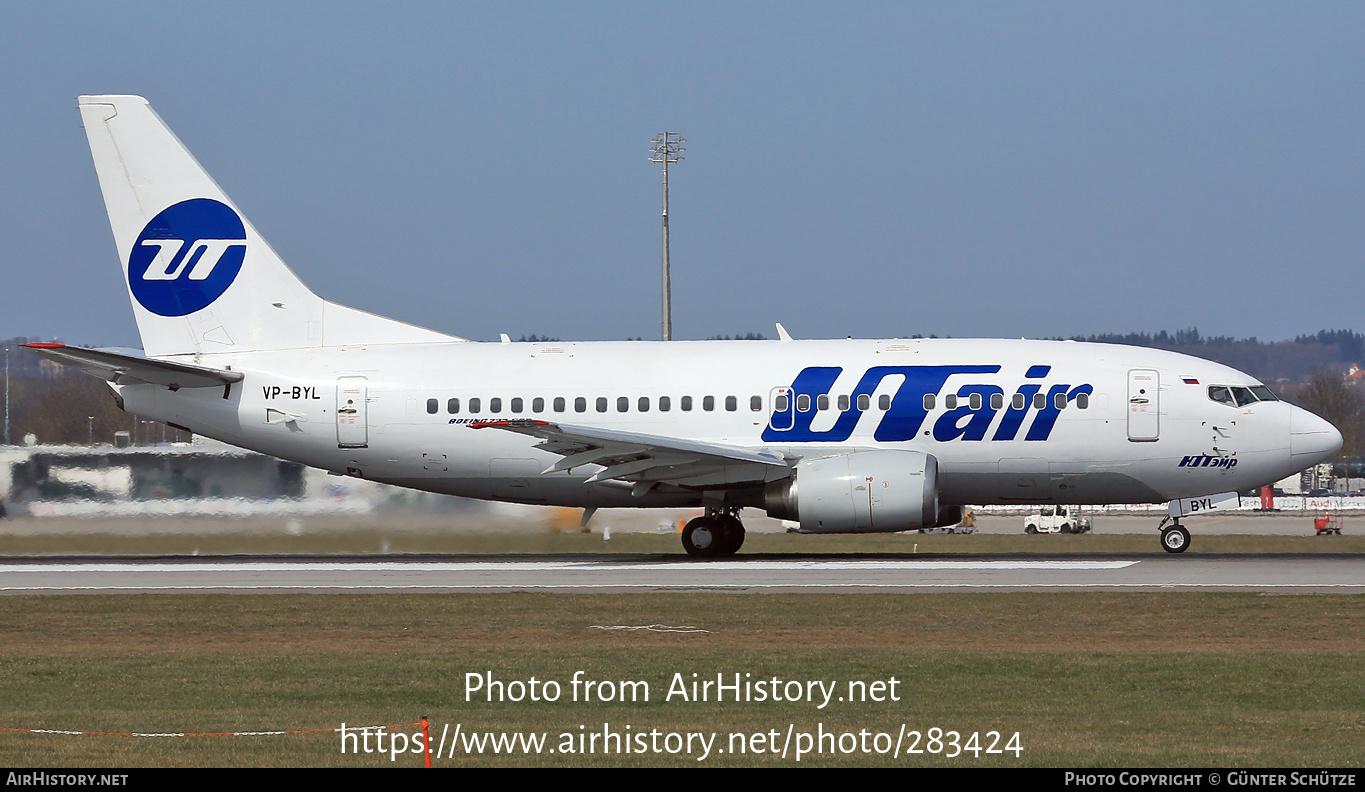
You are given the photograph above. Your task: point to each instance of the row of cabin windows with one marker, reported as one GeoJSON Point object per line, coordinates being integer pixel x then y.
{"type": "Point", "coordinates": [950, 402]}
{"type": "Point", "coordinates": [708, 403]}
{"type": "Point", "coordinates": [602, 404]}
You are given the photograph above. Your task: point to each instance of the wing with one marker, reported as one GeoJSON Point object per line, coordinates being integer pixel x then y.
{"type": "Point", "coordinates": [124, 369]}
{"type": "Point", "coordinates": [647, 459]}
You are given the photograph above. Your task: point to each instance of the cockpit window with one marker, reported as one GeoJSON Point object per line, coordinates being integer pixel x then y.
{"type": "Point", "coordinates": [1239, 396]}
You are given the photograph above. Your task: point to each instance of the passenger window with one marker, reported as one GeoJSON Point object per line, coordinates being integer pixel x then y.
{"type": "Point", "coordinates": [601, 403]}
{"type": "Point", "coordinates": [1082, 401]}
{"type": "Point", "coordinates": [950, 402]}
{"type": "Point", "coordinates": [622, 403]}
{"type": "Point", "coordinates": [822, 402]}
{"type": "Point", "coordinates": [474, 405]}
{"type": "Point", "coordinates": [1221, 394]}
{"type": "Point", "coordinates": [781, 403]}
{"type": "Point", "coordinates": [453, 406]}
{"type": "Point", "coordinates": [843, 403]}
{"type": "Point", "coordinates": [756, 403]}
{"type": "Point", "coordinates": [665, 404]}
{"type": "Point", "coordinates": [580, 404]}
{"type": "Point", "coordinates": [884, 401]}
{"type": "Point", "coordinates": [686, 404]}
{"type": "Point", "coordinates": [432, 406]}
{"type": "Point", "coordinates": [644, 404]}
{"type": "Point", "coordinates": [997, 401]}
{"type": "Point", "coordinates": [537, 404]}
{"type": "Point", "coordinates": [803, 402]}
{"type": "Point", "coordinates": [495, 405]}
{"type": "Point", "coordinates": [1059, 401]}
{"type": "Point", "coordinates": [516, 404]}
{"type": "Point", "coordinates": [974, 401]}
{"type": "Point", "coordinates": [1018, 401]}
{"type": "Point", "coordinates": [731, 404]}
{"type": "Point", "coordinates": [708, 403]}
{"type": "Point", "coordinates": [1039, 401]}
{"type": "Point", "coordinates": [559, 404]}
{"type": "Point", "coordinates": [864, 402]}
{"type": "Point", "coordinates": [928, 402]}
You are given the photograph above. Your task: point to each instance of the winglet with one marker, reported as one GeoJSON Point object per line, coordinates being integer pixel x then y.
{"type": "Point", "coordinates": [782, 333]}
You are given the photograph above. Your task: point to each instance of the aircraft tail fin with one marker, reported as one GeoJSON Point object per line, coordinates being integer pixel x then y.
{"type": "Point", "coordinates": [201, 279]}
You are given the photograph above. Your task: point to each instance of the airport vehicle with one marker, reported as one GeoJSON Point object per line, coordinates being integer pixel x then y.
{"type": "Point", "coordinates": [1060, 519]}
{"type": "Point", "coordinates": [839, 436]}
{"type": "Point", "coordinates": [1326, 525]}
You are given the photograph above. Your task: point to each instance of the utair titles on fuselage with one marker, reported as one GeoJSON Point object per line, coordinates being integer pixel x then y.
{"type": "Point", "coordinates": [844, 436]}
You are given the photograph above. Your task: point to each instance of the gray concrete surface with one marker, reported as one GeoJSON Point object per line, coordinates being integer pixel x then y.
{"type": "Point", "coordinates": [1342, 573]}
{"type": "Point", "coordinates": [507, 518]}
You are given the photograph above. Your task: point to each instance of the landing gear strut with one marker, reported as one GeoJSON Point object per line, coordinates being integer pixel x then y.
{"type": "Point", "coordinates": [717, 533]}
{"type": "Point", "coordinates": [1174, 538]}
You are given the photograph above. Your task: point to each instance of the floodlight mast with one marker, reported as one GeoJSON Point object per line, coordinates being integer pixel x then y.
{"type": "Point", "coordinates": [667, 148]}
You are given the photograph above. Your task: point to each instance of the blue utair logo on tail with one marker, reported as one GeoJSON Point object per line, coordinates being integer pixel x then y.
{"type": "Point", "coordinates": [186, 257]}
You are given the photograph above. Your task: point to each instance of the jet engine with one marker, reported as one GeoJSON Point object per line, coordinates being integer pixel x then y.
{"type": "Point", "coordinates": [864, 492]}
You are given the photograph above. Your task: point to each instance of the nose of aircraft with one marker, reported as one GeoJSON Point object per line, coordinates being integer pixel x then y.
{"type": "Point", "coordinates": [1311, 439]}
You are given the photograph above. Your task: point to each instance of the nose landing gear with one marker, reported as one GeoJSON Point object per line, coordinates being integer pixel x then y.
{"type": "Point", "coordinates": [1174, 538]}
{"type": "Point", "coordinates": [717, 533]}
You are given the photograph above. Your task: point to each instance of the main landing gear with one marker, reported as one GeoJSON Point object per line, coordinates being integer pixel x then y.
{"type": "Point", "coordinates": [717, 533]}
{"type": "Point", "coordinates": [1174, 538]}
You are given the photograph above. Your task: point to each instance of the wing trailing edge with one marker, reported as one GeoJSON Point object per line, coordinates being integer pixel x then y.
{"type": "Point", "coordinates": [643, 458]}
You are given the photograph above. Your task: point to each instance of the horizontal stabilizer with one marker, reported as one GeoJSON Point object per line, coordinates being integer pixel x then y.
{"type": "Point", "coordinates": [124, 369]}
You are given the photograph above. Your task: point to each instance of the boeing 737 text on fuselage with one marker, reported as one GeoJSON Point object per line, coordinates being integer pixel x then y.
{"type": "Point", "coordinates": [846, 436]}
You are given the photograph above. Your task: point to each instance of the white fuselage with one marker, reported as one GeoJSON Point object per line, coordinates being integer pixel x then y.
{"type": "Point", "coordinates": [1107, 443]}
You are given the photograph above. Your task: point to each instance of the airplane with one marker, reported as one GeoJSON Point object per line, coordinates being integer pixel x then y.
{"type": "Point", "coordinates": [839, 436]}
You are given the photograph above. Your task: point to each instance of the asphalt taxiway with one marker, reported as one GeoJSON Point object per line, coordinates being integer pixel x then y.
{"type": "Point", "coordinates": [1280, 573]}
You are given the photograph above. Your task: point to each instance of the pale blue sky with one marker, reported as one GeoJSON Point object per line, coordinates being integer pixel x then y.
{"type": "Point", "coordinates": [1018, 169]}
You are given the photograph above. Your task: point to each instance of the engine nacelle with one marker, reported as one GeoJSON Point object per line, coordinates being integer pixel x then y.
{"type": "Point", "coordinates": [866, 492]}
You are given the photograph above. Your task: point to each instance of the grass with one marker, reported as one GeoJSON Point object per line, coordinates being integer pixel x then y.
{"type": "Point", "coordinates": [1229, 680]}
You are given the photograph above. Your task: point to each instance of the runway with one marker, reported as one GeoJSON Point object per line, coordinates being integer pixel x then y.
{"type": "Point", "coordinates": [1279, 573]}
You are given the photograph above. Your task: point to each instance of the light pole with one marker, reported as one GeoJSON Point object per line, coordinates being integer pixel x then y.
{"type": "Point", "coordinates": [6, 394]}
{"type": "Point", "coordinates": [667, 148]}
{"type": "Point", "coordinates": [91, 419]}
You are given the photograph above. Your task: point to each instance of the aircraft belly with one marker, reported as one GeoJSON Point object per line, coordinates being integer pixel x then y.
{"type": "Point", "coordinates": [1022, 484]}
{"type": "Point", "coordinates": [552, 491]}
